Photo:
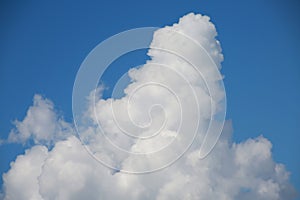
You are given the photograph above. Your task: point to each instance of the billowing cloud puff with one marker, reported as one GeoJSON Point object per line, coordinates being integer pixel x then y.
{"type": "Point", "coordinates": [66, 170]}
{"type": "Point", "coordinates": [21, 181]}
{"type": "Point", "coordinates": [41, 124]}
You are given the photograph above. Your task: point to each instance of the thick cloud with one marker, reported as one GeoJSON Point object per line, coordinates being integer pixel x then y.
{"type": "Point", "coordinates": [231, 171]}
{"type": "Point", "coordinates": [66, 170]}
{"type": "Point", "coordinates": [21, 182]}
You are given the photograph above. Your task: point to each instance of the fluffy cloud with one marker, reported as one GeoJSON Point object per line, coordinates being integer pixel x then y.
{"type": "Point", "coordinates": [41, 124]}
{"type": "Point", "coordinates": [21, 181]}
{"type": "Point", "coordinates": [67, 170]}
{"type": "Point", "coordinates": [172, 94]}
{"type": "Point", "coordinates": [231, 171]}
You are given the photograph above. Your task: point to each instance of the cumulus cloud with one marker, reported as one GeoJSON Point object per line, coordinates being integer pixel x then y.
{"type": "Point", "coordinates": [232, 171]}
{"type": "Point", "coordinates": [66, 170]}
{"type": "Point", "coordinates": [21, 181]}
{"type": "Point", "coordinates": [42, 125]}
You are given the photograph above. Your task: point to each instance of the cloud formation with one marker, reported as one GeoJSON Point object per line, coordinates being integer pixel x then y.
{"type": "Point", "coordinates": [41, 125]}
{"type": "Point", "coordinates": [59, 166]}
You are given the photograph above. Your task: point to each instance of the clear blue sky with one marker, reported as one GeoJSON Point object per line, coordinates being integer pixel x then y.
{"type": "Point", "coordinates": [43, 44]}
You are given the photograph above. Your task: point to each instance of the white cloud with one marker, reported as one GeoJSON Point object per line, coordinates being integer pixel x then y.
{"type": "Point", "coordinates": [67, 171]}
{"type": "Point", "coordinates": [41, 124]}
{"type": "Point", "coordinates": [231, 171]}
{"type": "Point", "coordinates": [21, 182]}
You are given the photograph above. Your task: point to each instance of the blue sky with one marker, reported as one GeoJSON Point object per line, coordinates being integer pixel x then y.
{"type": "Point", "coordinates": [43, 45]}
